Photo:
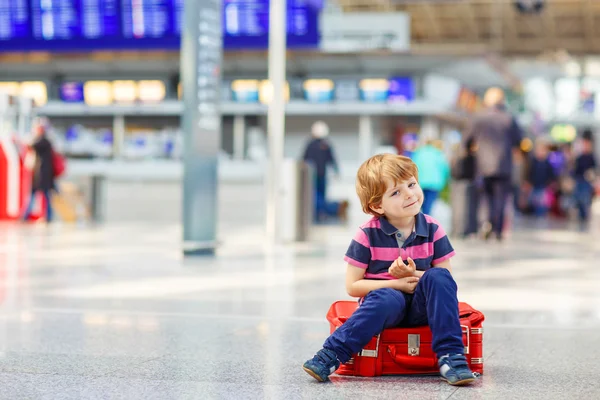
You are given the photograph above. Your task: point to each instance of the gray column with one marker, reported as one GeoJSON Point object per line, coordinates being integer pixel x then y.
{"type": "Point", "coordinates": [239, 137]}
{"type": "Point", "coordinates": [201, 54]}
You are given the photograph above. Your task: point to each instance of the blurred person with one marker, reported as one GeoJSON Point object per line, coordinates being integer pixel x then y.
{"type": "Point", "coordinates": [409, 144]}
{"type": "Point", "coordinates": [540, 177]}
{"type": "Point", "coordinates": [558, 157]}
{"type": "Point", "coordinates": [43, 180]}
{"type": "Point", "coordinates": [434, 172]}
{"type": "Point", "coordinates": [319, 153]}
{"type": "Point", "coordinates": [566, 182]}
{"type": "Point", "coordinates": [466, 193]}
{"type": "Point", "coordinates": [519, 181]}
{"type": "Point", "coordinates": [585, 175]}
{"type": "Point", "coordinates": [496, 133]}
{"type": "Point", "coordinates": [394, 291]}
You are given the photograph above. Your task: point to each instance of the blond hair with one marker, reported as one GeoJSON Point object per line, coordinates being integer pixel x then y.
{"type": "Point", "coordinates": [373, 174]}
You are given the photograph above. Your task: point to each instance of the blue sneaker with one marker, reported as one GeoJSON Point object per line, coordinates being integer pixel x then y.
{"type": "Point", "coordinates": [323, 364]}
{"type": "Point", "coordinates": [455, 370]}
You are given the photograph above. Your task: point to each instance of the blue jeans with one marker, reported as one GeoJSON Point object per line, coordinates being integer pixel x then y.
{"type": "Point", "coordinates": [430, 198]}
{"type": "Point", "coordinates": [434, 302]}
{"type": "Point", "coordinates": [539, 202]}
{"type": "Point", "coordinates": [323, 208]}
{"type": "Point", "coordinates": [46, 194]}
{"type": "Point", "coordinates": [497, 190]}
{"type": "Point", "coordinates": [583, 194]}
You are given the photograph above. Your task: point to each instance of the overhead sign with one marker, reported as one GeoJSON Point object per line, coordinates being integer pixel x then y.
{"type": "Point", "coordinates": [80, 25]}
{"type": "Point", "coordinates": [246, 23]}
{"type": "Point", "coordinates": [350, 32]}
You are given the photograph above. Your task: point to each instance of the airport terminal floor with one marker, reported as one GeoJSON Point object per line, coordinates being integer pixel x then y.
{"type": "Point", "coordinates": [115, 312]}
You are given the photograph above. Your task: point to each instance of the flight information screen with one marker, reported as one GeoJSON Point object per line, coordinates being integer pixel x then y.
{"type": "Point", "coordinates": [246, 24]}
{"type": "Point", "coordinates": [79, 25]}
{"type": "Point", "coordinates": [14, 20]}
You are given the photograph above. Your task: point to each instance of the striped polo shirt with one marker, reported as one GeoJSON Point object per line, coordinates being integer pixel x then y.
{"type": "Point", "coordinates": [378, 243]}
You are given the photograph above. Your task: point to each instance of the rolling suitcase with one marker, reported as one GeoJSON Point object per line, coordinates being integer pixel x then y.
{"type": "Point", "coordinates": [407, 351]}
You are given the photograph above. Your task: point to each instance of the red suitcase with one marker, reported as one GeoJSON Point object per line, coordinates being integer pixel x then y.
{"type": "Point", "coordinates": [407, 351]}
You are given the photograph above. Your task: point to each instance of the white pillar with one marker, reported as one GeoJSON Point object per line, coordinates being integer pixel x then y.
{"type": "Point", "coordinates": [24, 119]}
{"type": "Point", "coordinates": [118, 136]}
{"type": "Point", "coordinates": [365, 137]}
{"type": "Point", "coordinates": [276, 115]}
{"type": "Point", "coordinates": [239, 137]}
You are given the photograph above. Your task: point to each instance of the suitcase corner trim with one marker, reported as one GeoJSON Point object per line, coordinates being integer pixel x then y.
{"type": "Point", "coordinates": [372, 353]}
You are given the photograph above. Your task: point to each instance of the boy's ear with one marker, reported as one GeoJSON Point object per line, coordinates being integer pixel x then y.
{"type": "Point", "coordinates": [376, 208]}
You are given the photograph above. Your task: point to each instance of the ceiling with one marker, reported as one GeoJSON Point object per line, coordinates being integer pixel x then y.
{"type": "Point", "coordinates": [472, 26]}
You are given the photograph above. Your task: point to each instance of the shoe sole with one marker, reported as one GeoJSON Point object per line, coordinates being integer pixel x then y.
{"type": "Point", "coordinates": [463, 382]}
{"type": "Point", "coordinates": [311, 373]}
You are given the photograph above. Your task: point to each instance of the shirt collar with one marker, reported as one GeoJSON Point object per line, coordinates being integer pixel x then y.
{"type": "Point", "coordinates": [420, 226]}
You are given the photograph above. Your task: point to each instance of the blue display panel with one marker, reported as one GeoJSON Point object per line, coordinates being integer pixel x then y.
{"type": "Point", "coordinates": [71, 92]}
{"type": "Point", "coordinates": [14, 20]}
{"type": "Point", "coordinates": [246, 23]}
{"type": "Point", "coordinates": [401, 90]}
{"type": "Point", "coordinates": [80, 25]}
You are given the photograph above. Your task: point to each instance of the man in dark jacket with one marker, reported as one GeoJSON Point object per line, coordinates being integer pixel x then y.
{"type": "Point", "coordinates": [319, 154]}
{"type": "Point", "coordinates": [43, 171]}
{"type": "Point", "coordinates": [496, 134]}
{"type": "Point", "coordinates": [585, 176]}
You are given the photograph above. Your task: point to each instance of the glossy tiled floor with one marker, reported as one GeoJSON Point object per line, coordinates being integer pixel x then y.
{"type": "Point", "coordinates": [115, 312]}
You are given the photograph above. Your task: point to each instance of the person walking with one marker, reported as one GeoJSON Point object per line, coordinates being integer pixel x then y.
{"type": "Point", "coordinates": [43, 171]}
{"type": "Point", "coordinates": [319, 154]}
{"type": "Point", "coordinates": [496, 134]}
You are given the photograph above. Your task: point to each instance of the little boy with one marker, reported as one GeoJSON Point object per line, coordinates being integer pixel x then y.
{"type": "Point", "coordinates": [394, 293]}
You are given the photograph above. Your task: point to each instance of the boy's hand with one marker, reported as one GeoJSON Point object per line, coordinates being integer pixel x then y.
{"type": "Point", "coordinates": [400, 270]}
{"type": "Point", "coordinates": [406, 285]}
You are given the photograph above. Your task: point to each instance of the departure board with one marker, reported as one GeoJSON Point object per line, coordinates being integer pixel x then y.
{"type": "Point", "coordinates": [246, 24]}
{"type": "Point", "coordinates": [71, 20]}
{"type": "Point", "coordinates": [80, 25]}
{"type": "Point", "coordinates": [14, 20]}
{"type": "Point", "coordinates": [146, 18]}
{"type": "Point", "coordinates": [99, 19]}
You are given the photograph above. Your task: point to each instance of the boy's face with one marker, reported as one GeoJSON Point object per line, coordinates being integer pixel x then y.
{"type": "Point", "coordinates": [401, 199]}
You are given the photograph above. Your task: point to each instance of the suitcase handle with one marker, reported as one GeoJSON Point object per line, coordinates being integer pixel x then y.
{"type": "Point", "coordinates": [412, 362]}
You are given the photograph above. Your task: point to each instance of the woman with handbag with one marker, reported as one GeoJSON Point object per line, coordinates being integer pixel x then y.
{"type": "Point", "coordinates": [43, 180]}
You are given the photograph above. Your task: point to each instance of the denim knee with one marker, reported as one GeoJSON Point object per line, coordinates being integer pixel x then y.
{"type": "Point", "coordinates": [387, 299]}
{"type": "Point", "coordinates": [438, 276]}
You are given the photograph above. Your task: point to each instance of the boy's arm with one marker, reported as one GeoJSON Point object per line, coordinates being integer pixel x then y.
{"type": "Point", "coordinates": [443, 264]}
{"type": "Point", "coordinates": [357, 286]}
